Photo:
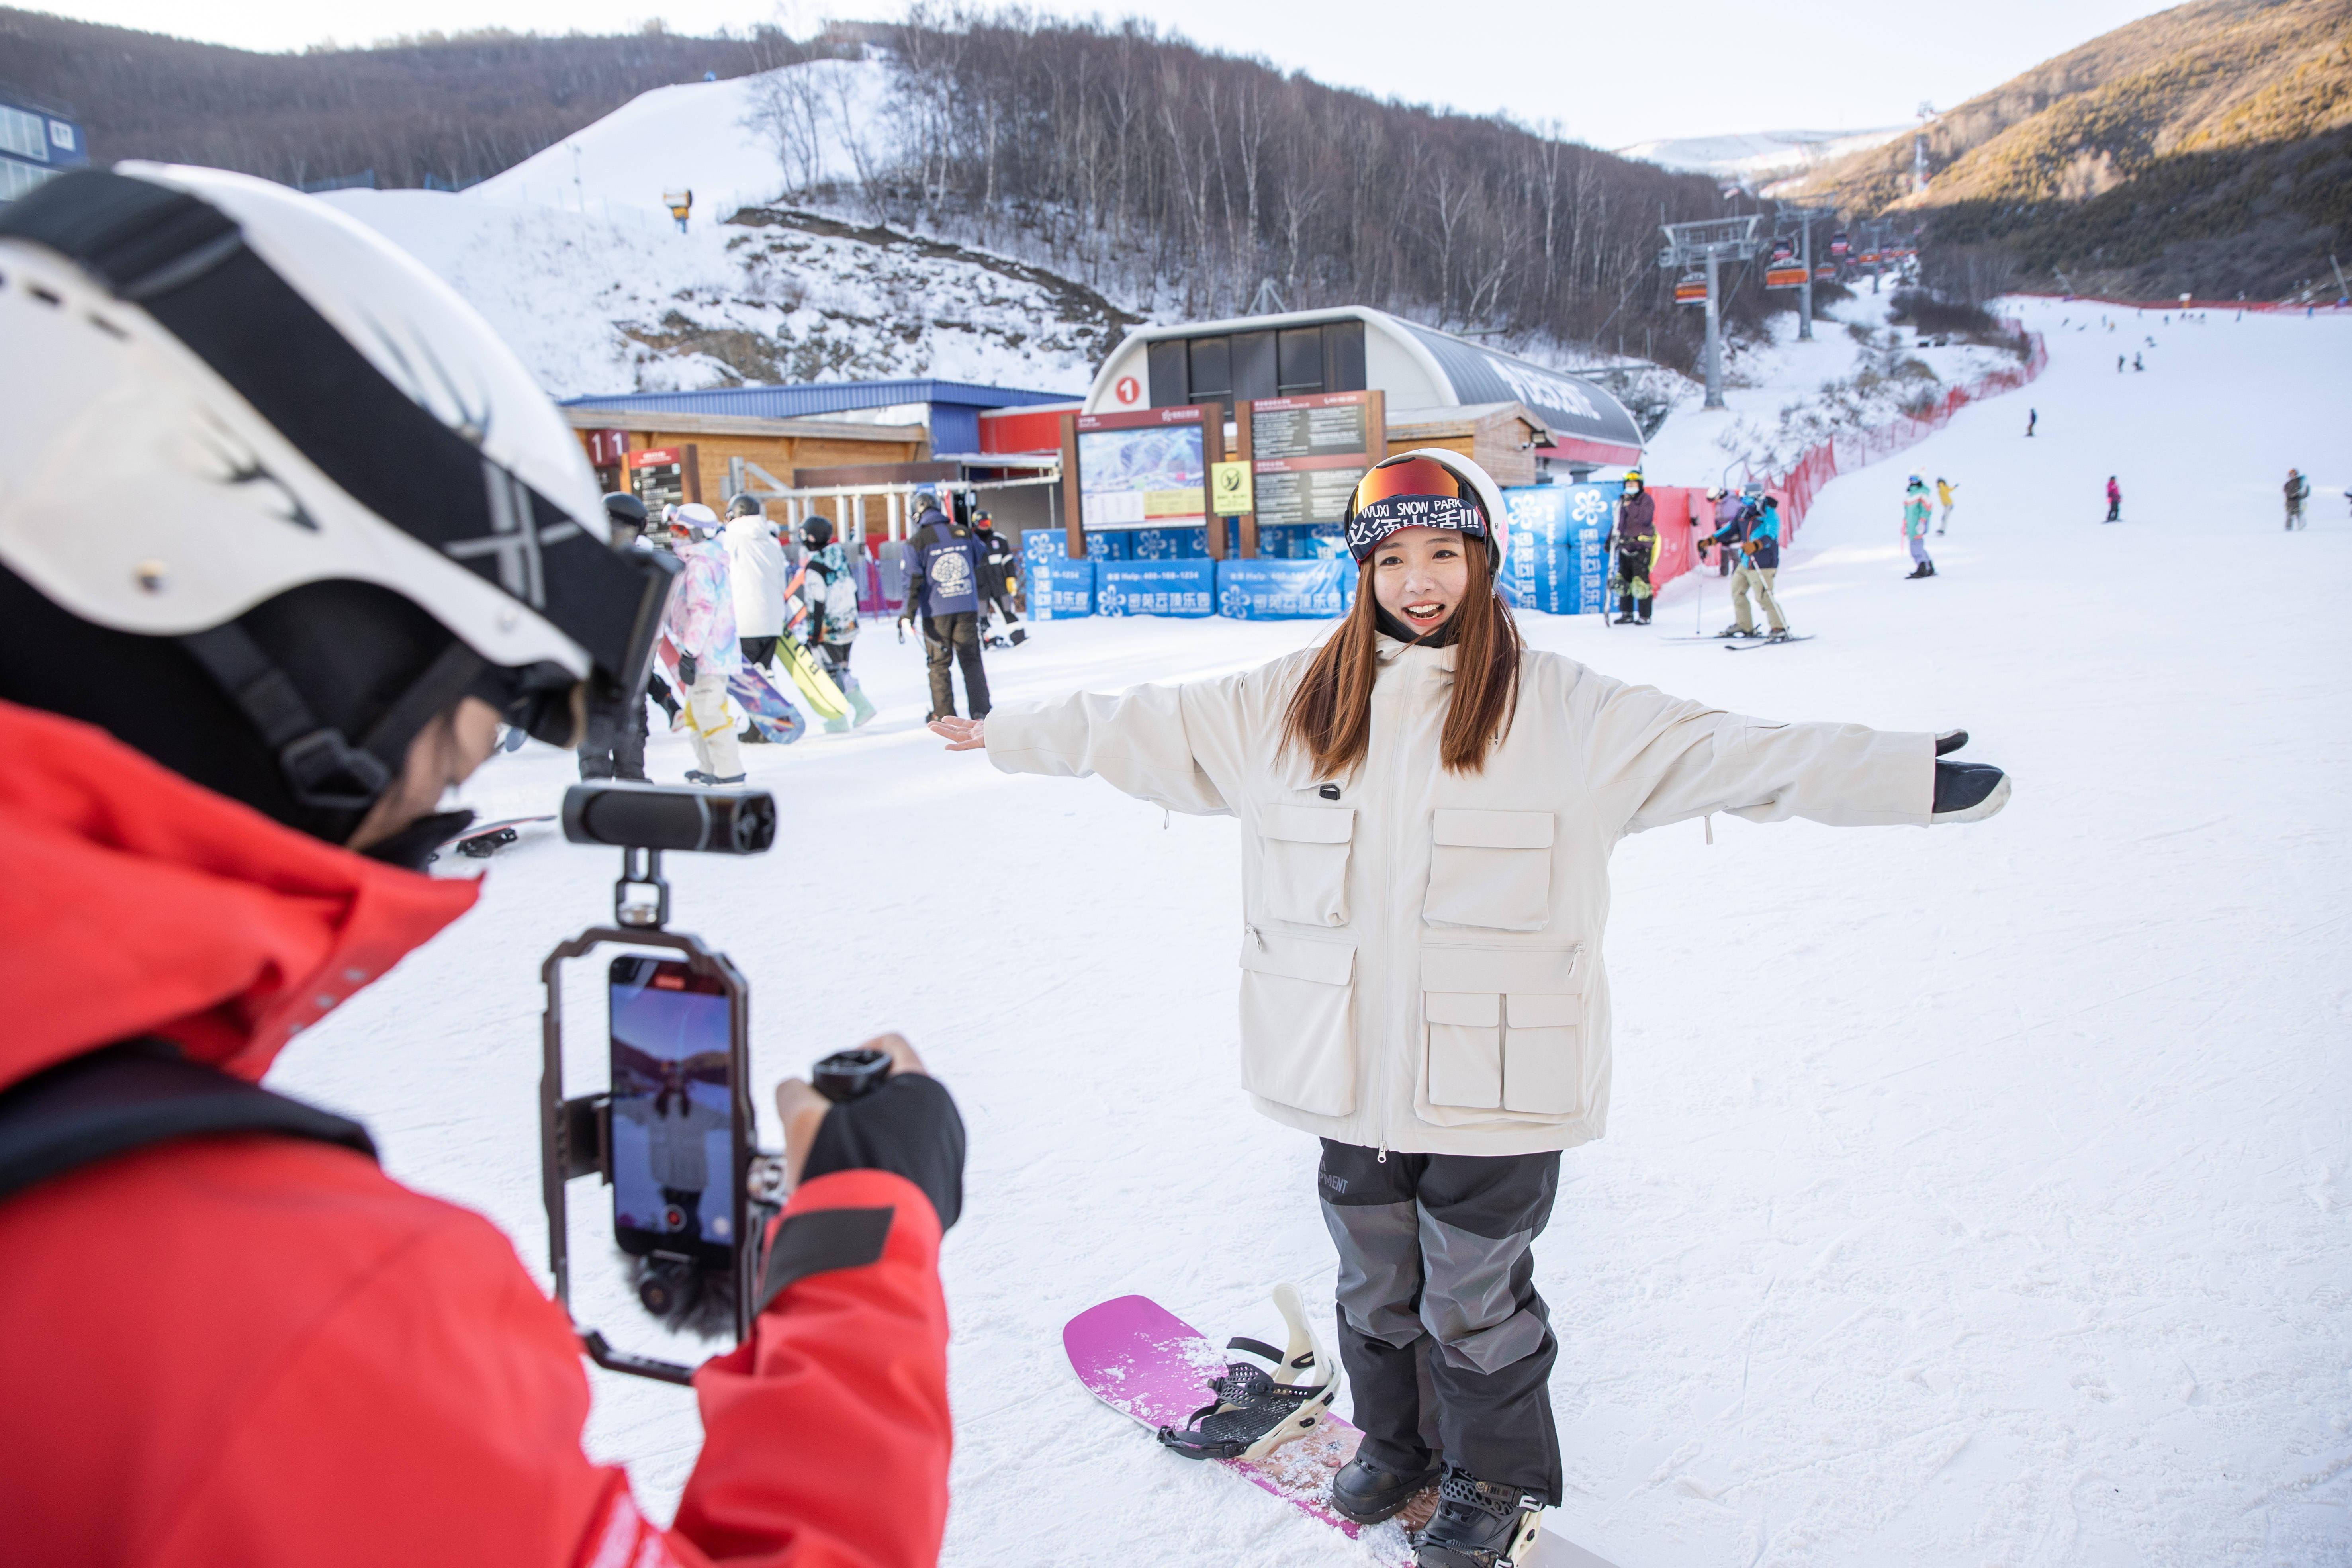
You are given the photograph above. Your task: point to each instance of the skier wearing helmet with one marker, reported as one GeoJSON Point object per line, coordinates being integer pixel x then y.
{"type": "Point", "coordinates": [1633, 549]}
{"type": "Point", "coordinates": [1428, 807]}
{"type": "Point", "coordinates": [227, 720]}
{"type": "Point", "coordinates": [1917, 506]}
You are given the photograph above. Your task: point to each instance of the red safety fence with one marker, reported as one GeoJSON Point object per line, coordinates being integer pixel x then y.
{"type": "Point", "coordinates": [1842, 454]}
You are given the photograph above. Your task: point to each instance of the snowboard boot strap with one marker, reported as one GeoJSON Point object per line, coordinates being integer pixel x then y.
{"type": "Point", "coordinates": [1479, 1524]}
{"type": "Point", "coordinates": [1262, 1404]}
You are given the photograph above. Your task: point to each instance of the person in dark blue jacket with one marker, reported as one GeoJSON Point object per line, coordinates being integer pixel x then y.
{"type": "Point", "coordinates": [943, 587]}
{"type": "Point", "coordinates": [1751, 542]}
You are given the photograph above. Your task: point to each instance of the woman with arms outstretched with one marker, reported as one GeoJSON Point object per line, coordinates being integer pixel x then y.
{"type": "Point", "coordinates": [1428, 806]}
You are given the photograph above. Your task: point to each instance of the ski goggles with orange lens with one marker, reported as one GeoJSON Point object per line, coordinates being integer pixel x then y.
{"type": "Point", "coordinates": [1409, 492]}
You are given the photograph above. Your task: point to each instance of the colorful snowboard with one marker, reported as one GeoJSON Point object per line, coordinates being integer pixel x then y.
{"type": "Point", "coordinates": [1143, 1361]}
{"type": "Point", "coordinates": [770, 711]}
{"type": "Point", "coordinates": [822, 692]}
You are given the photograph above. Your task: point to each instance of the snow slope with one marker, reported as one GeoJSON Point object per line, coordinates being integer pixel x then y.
{"type": "Point", "coordinates": [1972, 1196]}
{"type": "Point", "coordinates": [1759, 156]}
{"type": "Point", "coordinates": [574, 260]}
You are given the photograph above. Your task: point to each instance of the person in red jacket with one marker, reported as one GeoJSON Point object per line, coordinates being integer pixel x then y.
{"type": "Point", "coordinates": [363, 540]}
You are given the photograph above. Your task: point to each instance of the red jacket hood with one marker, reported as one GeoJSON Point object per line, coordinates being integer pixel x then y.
{"type": "Point", "coordinates": [133, 901]}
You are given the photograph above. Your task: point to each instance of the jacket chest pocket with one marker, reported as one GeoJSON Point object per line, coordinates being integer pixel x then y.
{"type": "Point", "coordinates": [1298, 1036]}
{"type": "Point", "coordinates": [1505, 1031]}
{"type": "Point", "coordinates": [1490, 868]}
{"type": "Point", "coordinates": [1305, 876]}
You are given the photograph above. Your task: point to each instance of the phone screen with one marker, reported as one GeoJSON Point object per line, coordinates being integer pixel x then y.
{"type": "Point", "coordinates": [674, 1131]}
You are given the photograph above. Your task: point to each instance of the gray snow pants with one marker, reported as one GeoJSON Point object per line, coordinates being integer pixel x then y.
{"type": "Point", "coordinates": [1448, 1348]}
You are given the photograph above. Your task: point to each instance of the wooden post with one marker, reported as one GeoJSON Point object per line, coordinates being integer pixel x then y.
{"type": "Point", "coordinates": [1245, 449]}
{"type": "Point", "coordinates": [1376, 423]}
{"type": "Point", "coordinates": [1074, 530]}
{"type": "Point", "coordinates": [693, 470]}
{"type": "Point", "coordinates": [1212, 452]}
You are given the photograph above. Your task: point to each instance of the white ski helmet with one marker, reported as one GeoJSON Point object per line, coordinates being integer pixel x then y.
{"type": "Point", "coordinates": [1463, 482]}
{"type": "Point", "coordinates": [295, 402]}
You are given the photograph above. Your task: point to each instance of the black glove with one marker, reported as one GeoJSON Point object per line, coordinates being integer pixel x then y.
{"type": "Point", "coordinates": [685, 668]}
{"type": "Point", "coordinates": [1968, 791]}
{"type": "Point", "coordinates": [908, 1127]}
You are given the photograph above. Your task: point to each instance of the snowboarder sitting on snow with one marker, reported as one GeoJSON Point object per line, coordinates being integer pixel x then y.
{"type": "Point", "coordinates": [1427, 809]}
{"type": "Point", "coordinates": [259, 1348]}
{"type": "Point", "coordinates": [943, 587]}
{"type": "Point", "coordinates": [1633, 546]}
{"type": "Point", "coordinates": [1751, 542]}
{"type": "Point", "coordinates": [1916, 506]}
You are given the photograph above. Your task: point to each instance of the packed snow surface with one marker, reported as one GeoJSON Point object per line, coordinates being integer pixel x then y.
{"type": "Point", "coordinates": [1975, 1196]}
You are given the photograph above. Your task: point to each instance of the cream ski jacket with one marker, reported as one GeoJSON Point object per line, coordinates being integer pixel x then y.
{"type": "Point", "coordinates": [1421, 950]}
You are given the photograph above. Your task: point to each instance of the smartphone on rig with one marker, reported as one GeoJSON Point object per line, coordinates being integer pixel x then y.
{"type": "Point", "coordinates": [677, 1135]}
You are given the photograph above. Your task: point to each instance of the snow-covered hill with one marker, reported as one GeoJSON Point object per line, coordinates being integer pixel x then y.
{"type": "Point", "coordinates": [1759, 157]}
{"type": "Point", "coordinates": [573, 257]}
{"type": "Point", "coordinates": [1976, 1195]}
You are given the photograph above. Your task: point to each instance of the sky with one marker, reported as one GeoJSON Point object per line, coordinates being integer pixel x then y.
{"type": "Point", "coordinates": [1611, 75]}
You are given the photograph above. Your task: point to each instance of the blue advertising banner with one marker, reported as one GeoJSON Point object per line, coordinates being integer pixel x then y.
{"type": "Point", "coordinates": [1558, 533]}
{"type": "Point", "coordinates": [1060, 589]}
{"type": "Point", "coordinates": [1156, 587]}
{"type": "Point", "coordinates": [1282, 590]}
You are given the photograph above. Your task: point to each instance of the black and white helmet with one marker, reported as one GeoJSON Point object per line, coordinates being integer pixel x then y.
{"type": "Point", "coordinates": [311, 418]}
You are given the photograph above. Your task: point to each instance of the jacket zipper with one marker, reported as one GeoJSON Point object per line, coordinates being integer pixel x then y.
{"type": "Point", "coordinates": [1406, 677]}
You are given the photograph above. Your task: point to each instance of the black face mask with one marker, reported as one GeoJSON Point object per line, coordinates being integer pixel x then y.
{"type": "Point", "coordinates": [1393, 625]}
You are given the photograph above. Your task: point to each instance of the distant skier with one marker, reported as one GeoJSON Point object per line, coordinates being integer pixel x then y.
{"type": "Point", "coordinates": [1633, 549]}
{"type": "Point", "coordinates": [2298, 491]}
{"type": "Point", "coordinates": [1916, 506]}
{"type": "Point", "coordinates": [2032, 417]}
{"type": "Point", "coordinates": [2136, 364]}
{"type": "Point", "coordinates": [2119, 364]}
{"type": "Point", "coordinates": [698, 642]}
{"type": "Point", "coordinates": [1944, 493]}
{"type": "Point", "coordinates": [2115, 500]}
{"type": "Point", "coordinates": [829, 588]}
{"type": "Point", "coordinates": [1752, 544]}
{"type": "Point", "coordinates": [1422, 985]}
{"type": "Point", "coordinates": [1727, 507]}
{"type": "Point", "coordinates": [999, 576]}
{"type": "Point", "coordinates": [943, 591]}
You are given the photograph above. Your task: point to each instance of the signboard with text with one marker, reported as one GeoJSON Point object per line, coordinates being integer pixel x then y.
{"type": "Point", "coordinates": [1309, 452]}
{"type": "Point", "coordinates": [1147, 470]}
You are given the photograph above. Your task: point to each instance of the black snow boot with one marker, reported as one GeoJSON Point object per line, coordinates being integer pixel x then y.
{"type": "Point", "coordinates": [1478, 1525]}
{"type": "Point", "coordinates": [1916, 573]}
{"type": "Point", "coordinates": [1369, 1493]}
{"type": "Point", "coordinates": [1644, 608]}
{"type": "Point", "coordinates": [1624, 610]}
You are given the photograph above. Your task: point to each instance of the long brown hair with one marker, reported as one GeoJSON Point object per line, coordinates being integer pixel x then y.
{"type": "Point", "coordinates": [1331, 715]}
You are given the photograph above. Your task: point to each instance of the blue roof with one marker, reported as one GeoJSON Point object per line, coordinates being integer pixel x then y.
{"type": "Point", "coordinates": [818, 398]}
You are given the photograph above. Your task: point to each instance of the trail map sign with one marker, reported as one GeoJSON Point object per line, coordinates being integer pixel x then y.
{"type": "Point", "coordinates": [1146, 470]}
{"type": "Point", "coordinates": [1309, 452]}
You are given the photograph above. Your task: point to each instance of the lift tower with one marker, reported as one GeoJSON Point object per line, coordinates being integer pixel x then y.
{"type": "Point", "coordinates": [1710, 243]}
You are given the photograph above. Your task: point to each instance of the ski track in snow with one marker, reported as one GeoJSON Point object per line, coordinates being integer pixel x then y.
{"type": "Point", "coordinates": [1972, 1196]}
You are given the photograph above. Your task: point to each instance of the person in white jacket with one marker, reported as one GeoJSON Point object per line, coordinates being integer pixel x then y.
{"type": "Point", "coordinates": [757, 571]}
{"type": "Point", "coordinates": [1427, 810]}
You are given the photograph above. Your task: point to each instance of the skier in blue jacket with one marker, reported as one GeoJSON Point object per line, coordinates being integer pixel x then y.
{"type": "Point", "coordinates": [943, 589]}
{"type": "Point", "coordinates": [1751, 543]}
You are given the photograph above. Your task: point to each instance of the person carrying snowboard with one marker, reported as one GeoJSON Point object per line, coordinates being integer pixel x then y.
{"type": "Point", "coordinates": [756, 572]}
{"type": "Point", "coordinates": [1916, 506]}
{"type": "Point", "coordinates": [2298, 491]}
{"type": "Point", "coordinates": [999, 578]}
{"type": "Point", "coordinates": [1751, 540]}
{"type": "Point", "coordinates": [698, 644]}
{"type": "Point", "coordinates": [1427, 807]}
{"type": "Point", "coordinates": [1633, 546]}
{"type": "Point", "coordinates": [2115, 500]}
{"type": "Point", "coordinates": [943, 589]}
{"type": "Point", "coordinates": [829, 588]}
{"type": "Point", "coordinates": [235, 1339]}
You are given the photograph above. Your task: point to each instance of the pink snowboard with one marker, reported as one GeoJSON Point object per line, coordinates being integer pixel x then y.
{"type": "Point", "coordinates": [1138, 1358]}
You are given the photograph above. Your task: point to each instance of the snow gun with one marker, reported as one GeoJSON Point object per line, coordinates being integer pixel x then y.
{"type": "Point", "coordinates": [688, 1219]}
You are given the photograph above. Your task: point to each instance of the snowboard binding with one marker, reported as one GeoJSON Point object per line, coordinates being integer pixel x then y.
{"type": "Point", "coordinates": [1266, 1398]}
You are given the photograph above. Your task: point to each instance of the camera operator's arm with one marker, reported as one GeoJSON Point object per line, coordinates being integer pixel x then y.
{"type": "Point", "coordinates": [826, 1436]}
